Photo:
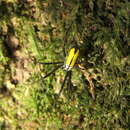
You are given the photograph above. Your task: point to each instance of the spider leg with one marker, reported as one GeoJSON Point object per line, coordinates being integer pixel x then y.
{"type": "Point", "coordinates": [64, 51]}
{"type": "Point", "coordinates": [63, 83]}
{"type": "Point", "coordinates": [69, 81]}
{"type": "Point", "coordinates": [52, 71]}
{"type": "Point", "coordinates": [65, 39]}
{"type": "Point", "coordinates": [69, 86]}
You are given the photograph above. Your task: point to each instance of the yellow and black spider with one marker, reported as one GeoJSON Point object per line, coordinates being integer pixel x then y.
{"type": "Point", "coordinates": [69, 63]}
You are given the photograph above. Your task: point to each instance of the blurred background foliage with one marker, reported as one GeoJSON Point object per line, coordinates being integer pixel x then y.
{"type": "Point", "coordinates": [45, 30]}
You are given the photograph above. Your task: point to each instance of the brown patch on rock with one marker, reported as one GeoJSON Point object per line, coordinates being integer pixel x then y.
{"type": "Point", "coordinates": [21, 72]}
{"type": "Point", "coordinates": [12, 42]}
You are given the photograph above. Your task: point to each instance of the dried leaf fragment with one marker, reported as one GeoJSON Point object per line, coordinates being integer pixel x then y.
{"type": "Point", "coordinates": [89, 79]}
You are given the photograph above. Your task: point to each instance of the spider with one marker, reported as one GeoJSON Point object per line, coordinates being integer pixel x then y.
{"type": "Point", "coordinates": [68, 65]}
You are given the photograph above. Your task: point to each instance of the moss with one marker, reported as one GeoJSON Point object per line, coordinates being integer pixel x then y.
{"type": "Point", "coordinates": [45, 31]}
